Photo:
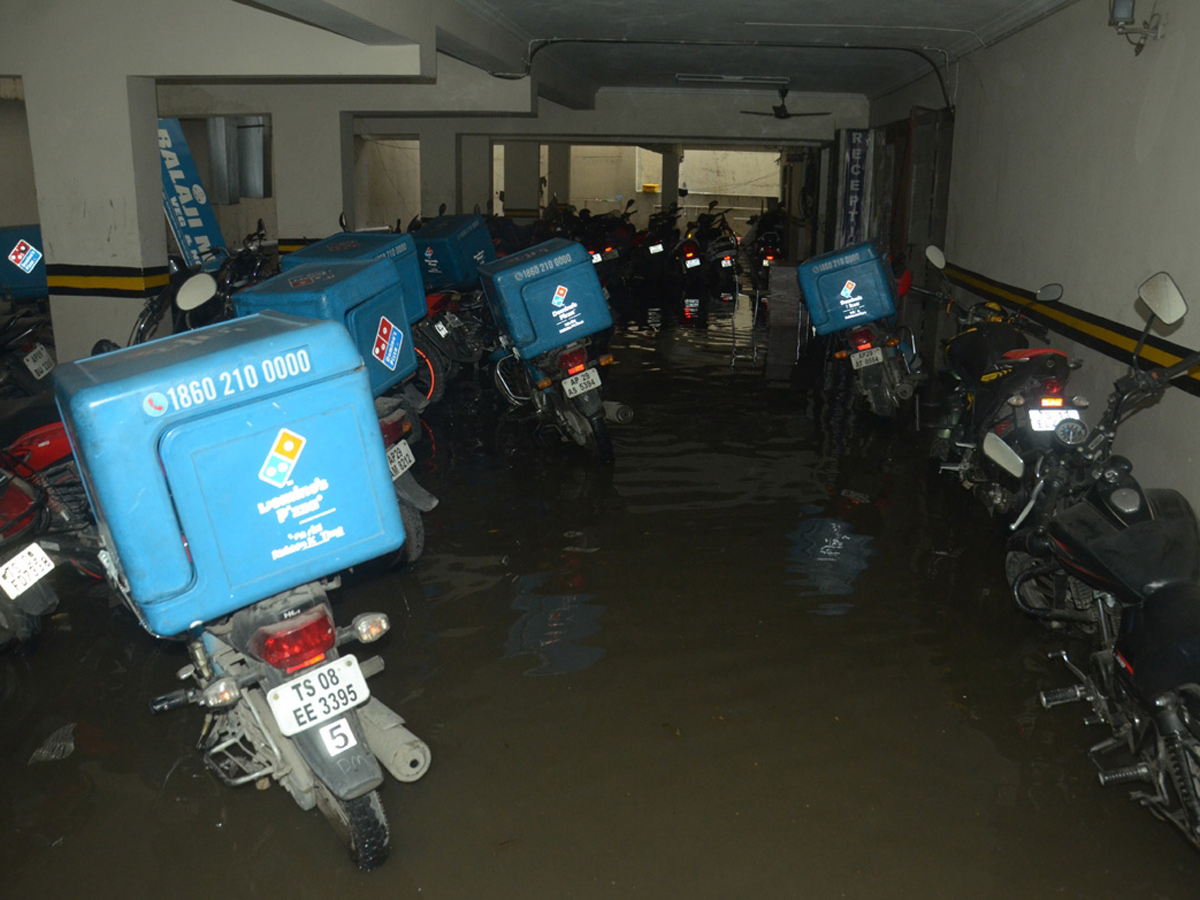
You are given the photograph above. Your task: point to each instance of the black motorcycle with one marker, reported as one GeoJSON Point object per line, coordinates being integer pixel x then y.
{"type": "Point", "coordinates": [1118, 565]}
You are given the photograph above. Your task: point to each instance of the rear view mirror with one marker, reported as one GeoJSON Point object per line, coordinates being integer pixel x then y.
{"type": "Point", "coordinates": [1050, 293]}
{"type": "Point", "coordinates": [1162, 295]}
{"type": "Point", "coordinates": [196, 291]}
{"type": "Point", "coordinates": [935, 256]}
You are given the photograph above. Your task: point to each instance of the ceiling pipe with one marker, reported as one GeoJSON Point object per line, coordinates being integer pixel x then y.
{"type": "Point", "coordinates": [539, 44]}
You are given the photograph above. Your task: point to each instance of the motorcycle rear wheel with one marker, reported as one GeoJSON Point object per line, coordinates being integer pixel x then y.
{"type": "Point", "coordinates": [362, 823]}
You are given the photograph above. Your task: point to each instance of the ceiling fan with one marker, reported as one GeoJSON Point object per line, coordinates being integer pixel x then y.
{"type": "Point", "coordinates": [781, 111]}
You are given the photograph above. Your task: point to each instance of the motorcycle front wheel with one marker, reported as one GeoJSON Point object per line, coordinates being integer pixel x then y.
{"type": "Point", "coordinates": [360, 822]}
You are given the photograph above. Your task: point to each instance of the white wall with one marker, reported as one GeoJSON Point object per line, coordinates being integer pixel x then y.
{"type": "Point", "coordinates": [1075, 161]}
{"type": "Point", "coordinates": [16, 167]}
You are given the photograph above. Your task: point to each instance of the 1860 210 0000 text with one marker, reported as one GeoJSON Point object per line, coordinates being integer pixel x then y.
{"type": "Point", "coordinates": [229, 382]}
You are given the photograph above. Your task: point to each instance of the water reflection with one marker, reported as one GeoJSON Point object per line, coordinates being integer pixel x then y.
{"type": "Point", "coordinates": [551, 627]}
{"type": "Point", "coordinates": [826, 556]}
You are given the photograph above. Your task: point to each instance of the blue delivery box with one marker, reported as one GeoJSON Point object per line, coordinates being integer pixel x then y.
{"type": "Point", "coordinates": [354, 246]}
{"type": "Point", "coordinates": [366, 297]}
{"type": "Point", "coordinates": [452, 248]}
{"type": "Point", "coordinates": [546, 296]}
{"type": "Point", "coordinates": [229, 463]}
{"type": "Point", "coordinates": [846, 287]}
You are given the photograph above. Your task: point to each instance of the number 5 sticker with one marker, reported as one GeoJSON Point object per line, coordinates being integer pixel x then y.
{"type": "Point", "coordinates": [338, 737]}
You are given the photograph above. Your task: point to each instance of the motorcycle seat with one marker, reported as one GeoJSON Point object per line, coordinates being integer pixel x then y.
{"type": "Point", "coordinates": [1031, 352]}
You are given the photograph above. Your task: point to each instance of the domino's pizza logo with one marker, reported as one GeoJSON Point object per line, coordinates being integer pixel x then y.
{"type": "Point", "coordinates": [560, 296]}
{"type": "Point", "coordinates": [388, 341]}
{"type": "Point", "coordinates": [25, 256]}
{"type": "Point", "coordinates": [282, 459]}
{"type": "Point", "coordinates": [848, 289]}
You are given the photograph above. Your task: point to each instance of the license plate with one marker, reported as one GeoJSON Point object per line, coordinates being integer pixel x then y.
{"type": "Point", "coordinates": [691, 263]}
{"type": "Point", "coordinates": [587, 380]}
{"type": "Point", "coordinates": [656, 248]}
{"type": "Point", "coordinates": [400, 458]}
{"type": "Point", "coordinates": [726, 263]}
{"type": "Point", "coordinates": [612, 253]}
{"type": "Point", "coordinates": [865, 358]}
{"type": "Point", "coordinates": [441, 329]}
{"type": "Point", "coordinates": [596, 257]}
{"type": "Point", "coordinates": [24, 570]}
{"type": "Point", "coordinates": [318, 695]}
{"type": "Point", "coordinates": [766, 264]}
{"type": "Point", "coordinates": [39, 362]}
{"type": "Point", "coordinates": [1048, 419]}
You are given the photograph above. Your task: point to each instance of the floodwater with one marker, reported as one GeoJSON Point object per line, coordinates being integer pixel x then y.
{"type": "Point", "coordinates": [767, 654]}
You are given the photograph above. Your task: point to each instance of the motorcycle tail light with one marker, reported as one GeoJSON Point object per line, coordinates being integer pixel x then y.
{"type": "Point", "coordinates": [690, 250]}
{"type": "Point", "coordinates": [770, 257]}
{"type": "Point", "coordinates": [1052, 402]}
{"type": "Point", "coordinates": [1052, 386]}
{"type": "Point", "coordinates": [573, 361]}
{"type": "Point", "coordinates": [862, 340]}
{"type": "Point", "coordinates": [297, 642]}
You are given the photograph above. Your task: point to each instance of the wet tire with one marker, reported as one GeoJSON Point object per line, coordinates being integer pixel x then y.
{"type": "Point", "coordinates": [414, 536]}
{"type": "Point", "coordinates": [604, 447]}
{"type": "Point", "coordinates": [432, 374]}
{"type": "Point", "coordinates": [363, 824]}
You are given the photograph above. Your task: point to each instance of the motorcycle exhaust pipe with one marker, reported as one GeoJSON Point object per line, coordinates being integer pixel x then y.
{"type": "Point", "coordinates": [617, 412]}
{"type": "Point", "coordinates": [400, 751]}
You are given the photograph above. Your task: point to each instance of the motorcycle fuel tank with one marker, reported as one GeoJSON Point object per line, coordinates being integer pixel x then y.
{"type": "Point", "coordinates": [844, 288]}
{"type": "Point", "coordinates": [367, 297]}
{"type": "Point", "coordinates": [546, 296]}
{"type": "Point", "coordinates": [451, 249]}
{"type": "Point", "coordinates": [230, 463]}
{"type": "Point", "coordinates": [351, 246]}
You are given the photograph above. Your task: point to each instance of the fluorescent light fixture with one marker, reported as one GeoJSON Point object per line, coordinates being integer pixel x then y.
{"type": "Point", "coordinates": [1120, 12]}
{"type": "Point", "coordinates": [772, 80]}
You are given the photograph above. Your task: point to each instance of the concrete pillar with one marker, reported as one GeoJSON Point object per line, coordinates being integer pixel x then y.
{"type": "Point", "coordinates": [522, 174]}
{"type": "Point", "coordinates": [474, 172]}
{"type": "Point", "coordinates": [439, 170]}
{"type": "Point", "coordinates": [314, 171]}
{"type": "Point", "coordinates": [103, 229]}
{"type": "Point", "coordinates": [670, 174]}
{"type": "Point", "coordinates": [558, 173]}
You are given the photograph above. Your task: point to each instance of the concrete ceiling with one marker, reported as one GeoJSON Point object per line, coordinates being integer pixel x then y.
{"type": "Point", "coordinates": [864, 47]}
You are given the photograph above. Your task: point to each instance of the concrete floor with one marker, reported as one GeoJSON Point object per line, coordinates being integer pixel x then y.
{"type": "Point", "coordinates": [765, 655]}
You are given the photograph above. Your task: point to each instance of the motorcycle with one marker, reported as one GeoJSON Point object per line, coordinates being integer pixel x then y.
{"type": "Point", "coordinates": [552, 323]}
{"type": "Point", "coordinates": [1003, 390]}
{"type": "Point", "coordinates": [649, 262]}
{"type": "Point", "coordinates": [705, 268]}
{"type": "Point", "coordinates": [1133, 556]}
{"type": "Point", "coordinates": [281, 701]}
{"type": "Point", "coordinates": [45, 520]}
{"type": "Point", "coordinates": [26, 358]}
{"type": "Point", "coordinates": [763, 243]}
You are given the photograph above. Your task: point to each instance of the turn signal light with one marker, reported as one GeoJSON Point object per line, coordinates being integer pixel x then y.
{"type": "Point", "coordinates": [221, 693]}
{"type": "Point", "coordinates": [841, 354]}
{"type": "Point", "coordinates": [605, 359]}
{"type": "Point", "coordinates": [370, 627]}
{"type": "Point", "coordinates": [295, 643]}
{"type": "Point", "coordinates": [892, 342]}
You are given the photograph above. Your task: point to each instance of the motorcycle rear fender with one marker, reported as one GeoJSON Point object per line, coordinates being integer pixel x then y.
{"type": "Point", "coordinates": [410, 493]}
{"type": "Point", "coordinates": [352, 772]}
{"type": "Point", "coordinates": [589, 403]}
